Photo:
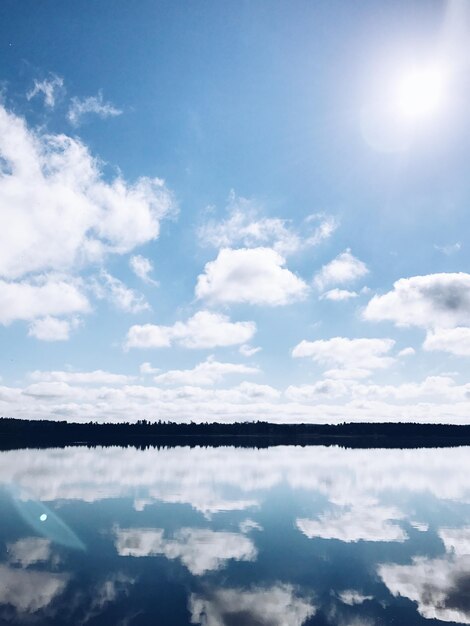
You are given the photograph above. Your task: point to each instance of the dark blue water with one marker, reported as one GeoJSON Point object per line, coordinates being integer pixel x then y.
{"type": "Point", "coordinates": [285, 536]}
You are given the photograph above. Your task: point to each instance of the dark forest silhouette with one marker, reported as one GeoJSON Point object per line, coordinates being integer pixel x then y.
{"type": "Point", "coordinates": [23, 433]}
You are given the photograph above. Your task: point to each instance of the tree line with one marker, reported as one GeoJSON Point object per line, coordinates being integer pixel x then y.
{"type": "Point", "coordinates": [18, 433]}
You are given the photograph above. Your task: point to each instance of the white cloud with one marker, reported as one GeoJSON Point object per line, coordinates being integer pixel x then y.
{"type": "Point", "coordinates": [439, 586]}
{"type": "Point", "coordinates": [328, 225]}
{"type": "Point", "coordinates": [438, 303]}
{"type": "Point", "coordinates": [435, 399]}
{"type": "Point", "coordinates": [449, 249]}
{"type": "Point", "coordinates": [431, 301]}
{"type": "Point", "coordinates": [106, 592]}
{"type": "Point", "coordinates": [323, 389]}
{"type": "Point", "coordinates": [456, 540]}
{"type": "Point", "coordinates": [201, 550]}
{"type": "Point", "coordinates": [432, 386]}
{"type": "Point", "coordinates": [247, 228]}
{"type": "Point", "coordinates": [357, 523]}
{"type": "Point", "coordinates": [247, 525]}
{"type": "Point", "coordinates": [350, 373]}
{"type": "Point", "coordinates": [43, 297]}
{"type": "Point", "coordinates": [52, 329]}
{"type": "Point", "coordinates": [116, 292]}
{"type": "Point", "coordinates": [353, 597]}
{"type": "Point", "coordinates": [338, 295]}
{"type": "Point", "coordinates": [248, 350]}
{"type": "Point", "coordinates": [347, 353]}
{"type": "Point", "coordinates": [254, 276]}
{"type": "Point", "coordinates": [278, 605]}
{"type": "Point", "coordinates": [97, 377]}
{"type": "Point", "coordinates": [208, 372]}
{"type": "Point", "coordinates": [254, 391]}
{"type": "Point", "coordinates": [453, 340]}
{"type": "Point", "coordinates": [213, 480]}
{"type": "Point", "coordinates": [407, 352]}
{"type": "Point", "coordinates": [52, 391]}
{"type": "Point", "coordinates": [80, 108]}
{"type": "Point", "coordinates": [142, 267]}
{"type": "Point", "coordinates": [29, 591]}
{"type": "Point", "coordinates": [49, 88]}
{"type": "Point", "coordinates": [146, 369]}
{"type": "Point", "coordinates": [345, 268]}
{"type": "Point", "coordinates": [56, 210]}
{"type": "Point", "coordinates": [203, 330]}
{"type": "Point", "coordinates": [28, 551]}
{"type": "Point", "coordinates": [442, 387]}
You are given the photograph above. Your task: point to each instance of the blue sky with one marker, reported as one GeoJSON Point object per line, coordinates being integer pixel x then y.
{"type": "Point", "coordinates": [265, 203]}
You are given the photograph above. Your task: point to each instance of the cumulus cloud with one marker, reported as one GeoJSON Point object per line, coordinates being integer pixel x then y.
{"type": "Point", "coordinates": [81, 108]}
{"type": "Point", "coordinates": [250, 275]}
{"type": "Point", "coordinates": [118, 294]}
{"type": "Point", "coordinates": [56, 210]}
{"type": "Point", "coordinates": [46, 296]}
{"type": "Point", "coordinates": [48, 88]}
{"type": "Point", "coordinates": [358, 523]}
{"type": "Point", "coordinates": [279, 605]}
{"type": "Point", "coordinates": [208, 372]}
{"type": "Point", "coordinates": [347, 353]}
{"type": "Point", "coordinates": [346, 373]}
{"type": "Point", "coordinates": [29, 591]}
{"type": "Point", "coordinates": [246, 227]}
{"type": "Point", "coordinates": [322, 390]}
{"type": "Point", "coordinates": [456, 540]}
{"type": "Point", "coordinates": [438, 303]}
{"type": "Point", "coordinates": [437, 387]}
{"type": "Point", "coordinates": [200, 549]}
{"type": "Point", "coordinates": [147, 369]}
{"type": "Point", "coordinates": [203, 330]}
{"type": "Point", "coordinates": [338, 295]}
{"type": "Point", "coordinates": [212, 480]}
{"type": "Point", "coordinates": [453, 340]}
{"type": "Point", "coordinates": [438, 586]}
{"type": "Point", "coordinates": [97, 377]}
{"type": "Point", "coordinates": [28, 551]}
{"type": "Point", "coordinates": [142, 267]}
{"type": "Point", "coordinates": [58, 214]}
{"type": "Point", "coordinates": [253, 392]}
{"type": "Point", "coordinates": [345, 268]}
{"type": "Point", "coordinates": [407, 352]}
{"type": "Point", "coordinates": [52, 329]}
{"type": "Point", "coordinates": [431, 301]}
{"type": "Point", "coordinates": [434, 399]}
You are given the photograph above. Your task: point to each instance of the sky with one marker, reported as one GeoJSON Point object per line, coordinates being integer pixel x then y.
{"type": "Point", "coordinates": [235, 211]}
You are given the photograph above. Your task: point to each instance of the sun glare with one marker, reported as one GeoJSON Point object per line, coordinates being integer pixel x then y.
{"type": "Point", "coordinates": [420, 93]}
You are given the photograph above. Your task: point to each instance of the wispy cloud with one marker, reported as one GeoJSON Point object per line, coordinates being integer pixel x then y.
{"type": "Point", "coordinates": [50, 89]}
{"type": "Point", "coordinates": [142, 267]}
{"type": "Point", "coordinates": [246, 226]}
{"type": "Point", "coordinates": [122, 297]}
{"type": "Point", "coordinates": [92, 105]}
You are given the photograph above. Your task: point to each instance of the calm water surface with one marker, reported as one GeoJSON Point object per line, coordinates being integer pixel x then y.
{"type": "Point", "coordinates": [285, 536]}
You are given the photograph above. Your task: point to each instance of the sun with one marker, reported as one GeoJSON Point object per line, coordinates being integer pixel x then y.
{"type": "Point", "coordinates": [419, 93]}
{"type": "Point", "coordinates": [406, 102]}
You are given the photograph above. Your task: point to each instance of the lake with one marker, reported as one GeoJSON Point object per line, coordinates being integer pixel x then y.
{"type": "Point", "coordinates": [283, 536]}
